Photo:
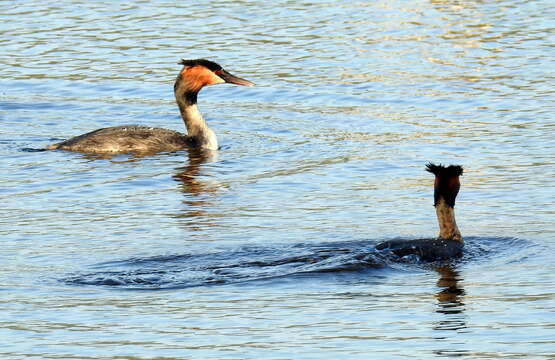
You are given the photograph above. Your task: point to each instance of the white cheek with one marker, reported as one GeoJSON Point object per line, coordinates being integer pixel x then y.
{"type": "Point", "coordinates": [215, 79]}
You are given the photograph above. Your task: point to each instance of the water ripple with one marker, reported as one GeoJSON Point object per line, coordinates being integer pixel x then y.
{"type": "Point", "coordinates": [253, 263]}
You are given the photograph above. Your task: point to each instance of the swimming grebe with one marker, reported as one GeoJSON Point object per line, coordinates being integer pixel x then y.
{"type": "Point", "coordinates": [142, 139]}
{"type": "Point", "coordinates": [449, 243]}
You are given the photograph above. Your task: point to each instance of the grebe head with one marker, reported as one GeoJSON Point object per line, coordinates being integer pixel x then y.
{"type": "Point", "coordinates": [200, 72]}
{"type": "Point", "coordinates": [446, 185]}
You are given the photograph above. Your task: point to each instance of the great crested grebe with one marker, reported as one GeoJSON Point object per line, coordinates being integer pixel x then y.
{"type": "Point", "coordinates": [449, 243]}
{"type": "Point", "coordinates": [142, 139]}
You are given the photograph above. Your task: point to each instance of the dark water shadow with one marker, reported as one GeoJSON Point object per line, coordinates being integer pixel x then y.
{"type": "Point", "coordinates": [253, 263]}
{"type": "Point", "coordinates": [27, 149]}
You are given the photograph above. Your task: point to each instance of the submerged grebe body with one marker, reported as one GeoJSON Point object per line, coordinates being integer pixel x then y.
{"type": "Point", "coordinates": [142, 139]}
{"type": "Point", "coordinates": [449, 244]}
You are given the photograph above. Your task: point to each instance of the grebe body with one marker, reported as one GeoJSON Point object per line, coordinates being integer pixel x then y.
{"type": "Point", "coordinates": [142, 139]}
{"type": "Point", "coordinates": [126, 139]}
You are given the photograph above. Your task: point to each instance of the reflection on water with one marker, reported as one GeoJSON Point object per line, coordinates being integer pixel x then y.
{"type": "Point", "coordinates": [450, 304]}
{"type": "Point", "coordinates": [450, 299]}
{"type": "Point", "coordinates": [189, 174]}
{"type": "Point", "coordinates": [198, 193]}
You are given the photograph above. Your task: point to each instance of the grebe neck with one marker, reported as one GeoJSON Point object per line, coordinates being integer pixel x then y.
{"type": "Point", "coordinates": [448, 229]}
{"type": "Point", "coordinates": [200, 135]}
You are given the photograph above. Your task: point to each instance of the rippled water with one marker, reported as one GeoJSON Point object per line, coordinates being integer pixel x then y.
{"type": "Point", "coordinates": [264, 250]}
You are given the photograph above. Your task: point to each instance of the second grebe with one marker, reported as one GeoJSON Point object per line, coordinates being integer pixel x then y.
{"type": "Point", "coordinates": [142, 139]}
{"type": "Point", "coordinates": [449, 243]}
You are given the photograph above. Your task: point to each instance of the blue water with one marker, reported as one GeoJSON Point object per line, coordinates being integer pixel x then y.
{"type": "Point", "coordinates": [265, 249]}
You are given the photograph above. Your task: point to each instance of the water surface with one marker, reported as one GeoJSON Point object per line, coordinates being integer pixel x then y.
{"type": "Point", "coordinates": [265, 249]}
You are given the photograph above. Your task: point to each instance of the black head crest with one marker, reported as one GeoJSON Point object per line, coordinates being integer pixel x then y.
{"type": "Point", "coordinates": [447, 183]}
{"type": "Point", "coordinates": [201, 62]}
{"type": "Point", "coordinates": [451, 170]}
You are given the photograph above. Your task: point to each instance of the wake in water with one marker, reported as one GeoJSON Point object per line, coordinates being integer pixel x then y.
{"type": "Point", "coordinates": [257, 263]}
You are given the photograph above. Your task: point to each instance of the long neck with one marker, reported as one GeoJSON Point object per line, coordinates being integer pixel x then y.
{"type": "Point", "coordinates": [198, 131]}
{"type": "Point", "coordinates": [448, 229]}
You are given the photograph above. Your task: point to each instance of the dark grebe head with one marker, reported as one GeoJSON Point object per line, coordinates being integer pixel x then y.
{"type": "Point", "coordinates": [447, 183]}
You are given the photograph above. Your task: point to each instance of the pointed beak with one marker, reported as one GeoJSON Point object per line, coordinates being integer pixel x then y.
{"type": "Point", "coordinates": [232, 79]}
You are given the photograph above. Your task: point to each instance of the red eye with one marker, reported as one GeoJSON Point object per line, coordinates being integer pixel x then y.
{"type": "Point", "coordinates": [218, 72]}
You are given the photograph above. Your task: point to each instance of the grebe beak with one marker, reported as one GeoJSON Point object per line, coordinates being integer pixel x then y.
{"type": "Point", "coordinates": [232, 79]}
